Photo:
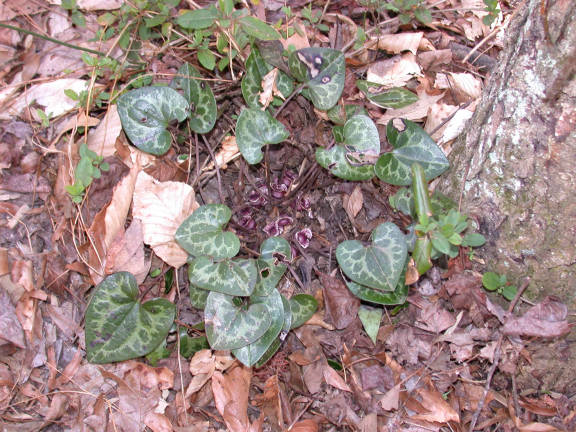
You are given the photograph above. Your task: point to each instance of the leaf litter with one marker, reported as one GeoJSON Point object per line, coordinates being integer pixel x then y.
{"type": "Point", "coordinates": [453, 355]}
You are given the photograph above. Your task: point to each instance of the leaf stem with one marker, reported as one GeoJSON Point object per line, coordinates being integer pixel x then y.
{"type": "Point", "coordinates": [48, 38]}
{"type": "Point", "coordinates": [289, 98]}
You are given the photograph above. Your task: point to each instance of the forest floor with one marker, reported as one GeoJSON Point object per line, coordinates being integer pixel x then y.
{"type": "Point", "coordinates": [452, 357]}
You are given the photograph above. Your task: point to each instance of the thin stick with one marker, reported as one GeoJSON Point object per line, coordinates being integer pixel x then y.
{"type": "Point", "coordinates": [48, 38]}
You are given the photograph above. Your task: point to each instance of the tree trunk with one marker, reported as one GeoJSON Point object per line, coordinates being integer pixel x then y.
{"type": "Point", "coordinates": [519, 154]}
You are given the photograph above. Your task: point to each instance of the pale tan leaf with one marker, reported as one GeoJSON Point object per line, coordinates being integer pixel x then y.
{"type": "Point", "coordinates": [50, 95]}
{"type": "Point", "coordinates": [202, 367]}
{"type": "Point", "coordinates": [92, 5]}
{"type": "Point", "coordinates": [389, 401]}
{"type": "Point", "coordinates": [395, 71]}
{"type": "Point", "coordinates": [73, 123]}
{"type": "Point", "coordinates": [397, 43]}
{"type": "Point", "coordinates": [299, 39]}
{"type": "Point", "coordinates": [334, 379]}
{"type": "Point", "coordinates": [269, 89]}
{"type": "Point", "coordinates": [307, 425]}
{"type": "Point", "coordinates": [537, 427]}
{"type": "Point", "coordinates": [353, 204]}
{"type": "Point", "coordinates": [162, 207]}
{"type": "Point", "coordinates": [126, 253]}
{"type": "Point", "coordinates": [158, 422]}
{"type": "Point", "coordinates": [109, 223]}
{"type": "Point", "coordinates": [102, 140]}
{"type": "Point", "coordinates": [231, 397]}
{"type": "Point", "coordinates": [228, 151]}
{"type": "Point", "coordinates": [439, 410]}
{"type": "Point", "coordinates": [466, 87]}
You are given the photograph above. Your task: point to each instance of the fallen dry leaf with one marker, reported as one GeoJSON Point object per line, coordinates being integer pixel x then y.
{"type": "Point", "coordinates": [396, 43]}
{"type": "Point", "coordinates": [546, 320]}
{"type": "Point", "coordinates": [102, 139]}
{"type": "Point", "coordinates": [270, 404]}
{"type": "Point", "coordinates": [158, 422]}
{"type": "Point", "coordinates": [465, 86]}
{"type": "Point", "coordinates": [228, 151]}
{"type": "Point", "coordinates": [341, 305]}
{"type": "Point", "coordinates": [162, 207]}
{"type": "Point", "coordinates": [10, 328]}
{"type": "Point", "coordinates": [109, 223]}
{"type": "Point", "coordinates": [92, 5]}
{"type": "Point", "coordinates": [308, 425]}
{"type": "Point", "coordinates": [126, 253]}
{"type": "Point", "coordinates": [395, 71]}
{"type": "Point", "coordinates": [334, 379]}
{"type": "Point", "coordinates": [353, 203]}
{"type": "Point", "coordinates": [439, 410]}
{"type": "Point", "coordinates": [269, 89]}
{"type": "Point", "coordinates": [202, 367]}
{"type": "Point", "coordinates": [389, 401]}
{"type": "Point", "coordinates": [231, 397]}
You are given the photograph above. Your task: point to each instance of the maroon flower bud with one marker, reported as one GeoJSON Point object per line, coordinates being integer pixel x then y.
{"type": "Point", "coordinates": [283, 221]}
{"type": "Point", "coordinates": [303, 237]}
{"type": "Point", "coordinates": [272, 229]}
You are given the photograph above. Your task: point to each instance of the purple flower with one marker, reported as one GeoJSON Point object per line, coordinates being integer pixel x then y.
{"type": "Point", "coordinates": [303, 237]}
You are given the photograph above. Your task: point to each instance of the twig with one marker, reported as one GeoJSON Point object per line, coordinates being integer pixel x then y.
{"type": "Point", "coordinates": [56, 41]}
{"type": "Point", "coordinates": [496, 359]}
{"type": "Point", "coordinates": [289, 98]}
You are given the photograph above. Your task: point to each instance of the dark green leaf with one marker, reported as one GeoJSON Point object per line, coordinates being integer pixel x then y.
{"type": "Point", "coordinates": [118, 327]}
{"type": "Point", "coordinates": [197, 19]}
{"type": "Point", "coordinates": [258, 29]}
{"type": "Point", "coordinates": [491, 281]}
{"type": "Point", "coordinates": [255, 129]}
{"type": "Point", "coordinates": [303, 307]}
{"type": "Point", "coordinates": [386, 98]}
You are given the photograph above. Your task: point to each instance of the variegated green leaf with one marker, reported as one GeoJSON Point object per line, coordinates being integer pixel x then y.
{"type": "Point", "coordinates": [255, 129]}
{"type": "Point", "coordinates": [201, 233]}
{"type": "Point", "coordinates": [145, 114]}
{"type": "Point", "coordinates": [412, 145]}
{"type": "Point", "coordinates": [339, 114]}
{"type": "Point", "coordinates": [232, 277]}
{"type": "Point", "coordinates": [397, 97]}
{"type": "Point", "coordinates": [256, 69]}
{"type": "Point", "coordinates": [250, 354]}
{"type": "Point", "coordinates": [370, 318]}
{"type": "Point", "coordinates": [303, 307]}
{"type": "Point", "coordinates": [361, 147]}
{"type": "Point", "coordinates": [118, 327]}
{"type": "Point", "coordinates": [278, 341]}
{"type": "Point", "coordinates": [323, 71]}
{"type": "Point", "coordinates": [398, 296]}
{"type": "Point", "coordinates": [379, 265]}
{"type": "Point", "coordinates": [275, 252]}
{"type": "Point", "coordinates": [198, 296]}
{"type": "Point", "coordinates": [203, 111]}
{"type": "Point", "coordinates": [231, 324]}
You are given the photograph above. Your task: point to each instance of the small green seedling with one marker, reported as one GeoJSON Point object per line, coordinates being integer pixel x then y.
{"type": "Point", "coordinates": [495, 282]}
{"type": "Point", "coordinates": [89, 168]}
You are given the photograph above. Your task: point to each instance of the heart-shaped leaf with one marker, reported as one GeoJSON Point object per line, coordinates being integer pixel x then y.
{"type": "Point", "coordinates": [145, 114]}
{"type": "Point", "coordinates": [370, 318]}
{"type": "Point", "coordinates": [323, 71]}
{"type": "Point", "coordinates": [201, 233]}
{"type": "Point", "coordinates": [230, 326]}
{"type": "Point", "coordinates": [278, 341]}
{"type": "Point", "coordinates": [255, 129]}
{"type": "Point", "coordinates": [412, 145]}
{"type": "Point", "coordinates": [361, 146]}
{"type": "Point", "coordinates": [397, 97]}
{"type": "Point", "coordinates": [202, 105]}
{"type": "Point", "coordinates": [256, 69]}
{"type": "Point", "coordinates": [191, 345]}
{"type": "Point", "coordinates": [232, 277]}
{"type": "Point", "coordinates": [250, 354]}
{"type": "Point", "coordinates": [303, 307]}
{"type": "Point", "coordinates": [339, 114]}
{"type": "Point", "coordinates": [379, 265]}
{"type": "Point", "coordinates": [398, 296]}
{"type": "Point", "coordinates": [275, 253]}
{"type": "Point", "coordinates": [118, 327]}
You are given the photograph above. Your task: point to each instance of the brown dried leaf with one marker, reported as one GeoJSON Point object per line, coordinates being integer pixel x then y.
{"type": "Point", "coordinates": [102, 140]}
{"type": "Point", "coordinates": [546, 320]}
{"type": "Point", "coordinates": [390, 399]}
{"type": "Point", "coordinates": [269, 89]}
{"type": "Point", "coordinates": [308, 425]}
{"type": "Point", "coordinates": [162, 207]}
{"type": "Point", "coordinates": [109, 223]}
{"type": "Point", "coordinates": [126, 253]}
{"type": "Point", "coordinates": [158, 422]}
{"type": "Point", "coordinates": [270, 403]}
{"type": "Point", "coordinates": [465, 86]}
{"type": "Point", "coordinates": [341, 305]}
{"type": "Point", "coordinates": [228, 151]}
{"type": "Point", "coordinates": [334, 379]}
{"type": "Point", "coordinates": [434, 318]}
{"type": "Point", "coordinates": [396, 43]}
{"type": "Point", "coordinates": [202, 367]}
{"type": "Point", "coordinates": [395, 71]}
{"type": "Point", "coordinates": [231, 397]}
{"type": "Point", "coordinates": [439, 410]}
{"type": "Point", "coordinates": [353, 203]}
{"type": "Point", "coordinates": [10, 328]}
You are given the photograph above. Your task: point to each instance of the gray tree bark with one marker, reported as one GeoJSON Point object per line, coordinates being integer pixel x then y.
{"type": "Point", "coordinates": [515, 168]}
